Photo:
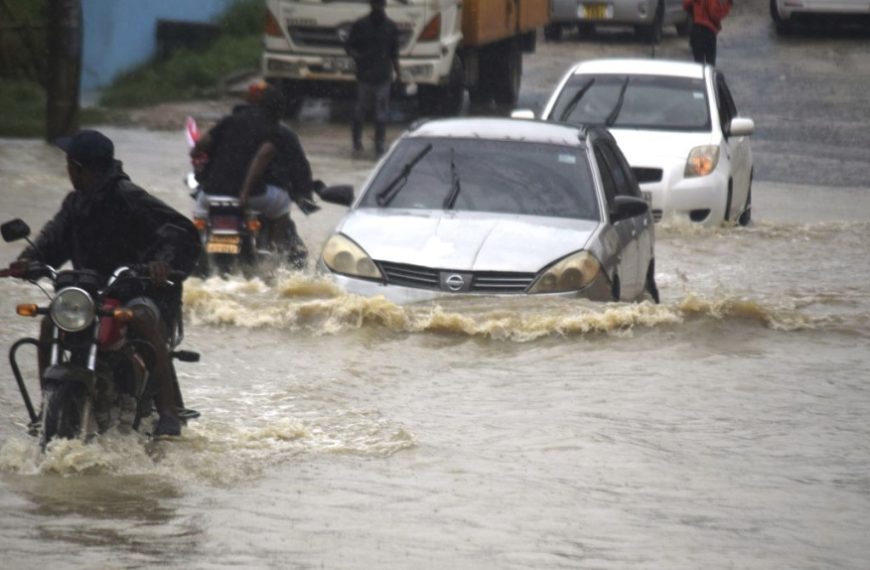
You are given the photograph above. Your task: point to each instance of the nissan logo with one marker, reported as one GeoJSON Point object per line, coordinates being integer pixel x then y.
{"type": "Point", "coordinates": [455, 282]}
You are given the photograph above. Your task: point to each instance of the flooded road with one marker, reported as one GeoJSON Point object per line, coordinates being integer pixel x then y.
{"type": "Point", "coordinates": [724, 428]}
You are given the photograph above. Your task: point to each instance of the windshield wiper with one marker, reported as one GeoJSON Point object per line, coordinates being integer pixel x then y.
{"type": "Point", "coordinates": [385, 196]}
{"type": "Point", "coordinates": [576, 99]}
{"type": "Point", "coordinates": [455, 185]}
{"type": "Point", "coordinates": [611, 118]}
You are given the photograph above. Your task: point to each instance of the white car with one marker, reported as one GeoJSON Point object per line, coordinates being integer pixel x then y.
{"type": "Point", "coordinates": [677, 125]}
{"type": "Point", "coordinates": [497, 207]}
{"type": "Point", "coordinates": [647, 16]}
{"type": "Point", "coordinates": [786, 13]}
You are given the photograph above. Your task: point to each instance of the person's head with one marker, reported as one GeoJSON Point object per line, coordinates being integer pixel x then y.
{"type": "Point", "coordinates": [255, 91]}
{"type": "Point", "coordinates": [379, 8]}
{"type": "Point", "coordinates": [89, 157]}
{"type": "Point", "coordinates": [272, 102]}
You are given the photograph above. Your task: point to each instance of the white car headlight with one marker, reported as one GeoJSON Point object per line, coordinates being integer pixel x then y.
{"type": "Point", "coordinates": [571, 274]}
{"type": "Point", "coordinates": [341, 255]}
{"type": "Point", "coordinates": [702, 161]}
{"type": "Point", "coordinates": [72, 309]}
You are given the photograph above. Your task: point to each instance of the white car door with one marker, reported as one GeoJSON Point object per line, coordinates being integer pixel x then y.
{"type": "Point", "coordinates": [737, 148]}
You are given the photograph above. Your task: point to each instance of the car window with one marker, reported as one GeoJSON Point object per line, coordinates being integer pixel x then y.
{"type": "Point", "coordinates": [626, 185]}
{"type": "Point", "coordinates": [634, 101]}
{"type": "Point", "coordinates": [607, 180]}
{"type": "Point", "coordinates": [725, 103]}
{"type": "Point", "coordinates": [511, 177]}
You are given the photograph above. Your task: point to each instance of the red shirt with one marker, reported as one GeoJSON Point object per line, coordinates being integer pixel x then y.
{"type": "Point", "coordinates": [709, 13]}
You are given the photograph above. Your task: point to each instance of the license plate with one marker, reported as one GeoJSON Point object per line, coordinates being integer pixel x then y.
{"type": "Point", "coordinates": [595, 12]}
{"type": "Point", "coordinates": [222, 248]}
{"type": "Point", "coordinates": [339, 64]}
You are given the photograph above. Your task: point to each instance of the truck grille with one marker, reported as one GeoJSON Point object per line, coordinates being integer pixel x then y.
{"type": "Point", "coordinates": [316, 37]}
{"type": "Point", "coordinates": [490, 282]}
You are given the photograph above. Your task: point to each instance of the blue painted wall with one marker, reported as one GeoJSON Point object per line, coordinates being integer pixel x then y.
{"type": "Point", "coordinates": [121, 34]}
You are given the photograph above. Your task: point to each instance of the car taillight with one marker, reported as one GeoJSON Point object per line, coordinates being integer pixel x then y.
{"type": "Point", "coordinates": [432, 31]}
{"type": "Point", "coordinates": [225, 223]}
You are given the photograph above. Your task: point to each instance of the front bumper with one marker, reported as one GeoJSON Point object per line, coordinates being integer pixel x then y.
{"type": "Point", "coordinates": [339, 68]}
{"type": "Point", "coordinates": [699, 200]}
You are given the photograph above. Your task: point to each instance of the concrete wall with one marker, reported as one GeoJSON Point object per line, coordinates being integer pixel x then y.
{"type": "Point", "coordinates": [121, 34]}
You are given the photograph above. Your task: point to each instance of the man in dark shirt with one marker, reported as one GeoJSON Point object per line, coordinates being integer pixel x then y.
{"type": "Point", "coordinates": [241, 147]}
{"type": "Point", "coordinates": [373, 44]}
{"type": "Point", "coordinates": [108, 222]}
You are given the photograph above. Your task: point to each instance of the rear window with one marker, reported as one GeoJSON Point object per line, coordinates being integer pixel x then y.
{"type": "Point", "coordinates": [634, 101]}
{"type": "Point", "coordinates": [510, 177]}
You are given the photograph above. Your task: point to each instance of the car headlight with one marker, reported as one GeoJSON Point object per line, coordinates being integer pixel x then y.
{"type": "Point", "coordinates": [341, 255]}
{"type": "Point", "coordinates": [702, 161]}
{"type": "Point", "coordinates": [571, 274]}
{"type": "Point", "coordinates": [72, 309]}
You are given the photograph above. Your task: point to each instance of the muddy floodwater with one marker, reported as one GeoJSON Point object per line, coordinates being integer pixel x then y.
{"type": "Point", "coordinates": [726, 427]}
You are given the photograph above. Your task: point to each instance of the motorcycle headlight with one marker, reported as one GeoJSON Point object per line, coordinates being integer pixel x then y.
{"type": "Point", "coordinates": [571, 274]}
{"type": "Point", "coordinates": [341, 255]}
{"type": "Point", "coordinates": [702, 161]}
{"type": "Point", "coordinates": [72, 309]}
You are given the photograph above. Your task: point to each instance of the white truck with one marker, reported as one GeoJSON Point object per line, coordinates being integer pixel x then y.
{"type": "Point", "coordinates": [445, 47]}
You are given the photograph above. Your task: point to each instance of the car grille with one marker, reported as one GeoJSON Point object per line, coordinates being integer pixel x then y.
{"type": "Point", "coordinates": [328, 37]}
{"type": "Point", "coordinates": [419, 277]}
{"type": "Point", "coordinates": [644, 175]}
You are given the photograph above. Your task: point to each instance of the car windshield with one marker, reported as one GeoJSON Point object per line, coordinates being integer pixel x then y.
{"type": "Point", "coordinates": [634, 102]}
{"type": "Point", "coordinates": [509, 177]}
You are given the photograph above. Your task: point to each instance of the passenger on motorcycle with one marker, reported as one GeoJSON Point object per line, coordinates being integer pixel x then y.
{"type": "Point", "coordinates": [108, 222]}
{"type": "Point", "coordinates": [241, 148]}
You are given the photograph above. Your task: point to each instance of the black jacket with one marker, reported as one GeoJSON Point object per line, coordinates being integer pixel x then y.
{"type": "Point", "coordinates": [373, 44]}
{"type": "Point", "coordinates": [118, 224]}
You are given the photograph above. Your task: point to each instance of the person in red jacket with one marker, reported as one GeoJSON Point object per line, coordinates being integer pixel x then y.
{"type": "Point", "coordinates": [707, 16]}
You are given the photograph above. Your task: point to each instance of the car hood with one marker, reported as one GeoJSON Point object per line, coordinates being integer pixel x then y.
{"type": "Point", "coordinates": [651, 148]}
{"type": "Point", "coordinates": [466, 241]}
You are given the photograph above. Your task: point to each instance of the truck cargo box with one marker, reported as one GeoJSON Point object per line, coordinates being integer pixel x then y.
{"type": "Point", "coordinates": [488, 21]}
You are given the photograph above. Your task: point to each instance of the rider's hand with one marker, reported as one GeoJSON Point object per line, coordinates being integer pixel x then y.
{"type": "Point", "coordinates": [159, 272]}
{"type": "Point", "coordinates": [17, 268]}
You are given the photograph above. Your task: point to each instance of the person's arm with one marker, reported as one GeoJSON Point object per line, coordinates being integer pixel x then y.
{"type": "Point", "coordinates": [718, 9]}
{"type": "Point", "coordinates": [257, 169]}
{"type": "Point", "coordinates": [53, 246]}
{"type": "Point", "coordinates": [300, 169]}
{"type": "Point", "coordinates": [394, 54]}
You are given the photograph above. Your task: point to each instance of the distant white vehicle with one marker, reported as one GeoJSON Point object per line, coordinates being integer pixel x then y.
{"type": "Point", "coordinates": [787, 13]}
{"type": "Point", "coordinates": [648, 17]}
{"type": "Point", "coordinates": [677, 125]}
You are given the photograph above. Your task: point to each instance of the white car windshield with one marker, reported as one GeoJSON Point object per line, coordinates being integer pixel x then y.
{"type": "Point", "coordinates": [508, 177]}
{"type": "Point", "coordinates": [634, 102]}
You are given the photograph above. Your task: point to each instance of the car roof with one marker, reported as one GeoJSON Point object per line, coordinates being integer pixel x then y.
{"type": "Point", "coordinates": [639, 66]}
{"type": "Point", "coordinates": [501, 129]}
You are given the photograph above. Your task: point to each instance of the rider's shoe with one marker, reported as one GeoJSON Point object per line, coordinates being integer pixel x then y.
{"type": "Point", "coordinates": [167, 426]}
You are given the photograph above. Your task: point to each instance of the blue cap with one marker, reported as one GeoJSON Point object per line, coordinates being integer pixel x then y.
{"type": "Point", "coordinates": [88, 148]}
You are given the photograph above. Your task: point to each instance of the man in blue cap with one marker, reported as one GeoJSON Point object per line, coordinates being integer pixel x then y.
{"type": "Point", "coordinates": [108, 222]}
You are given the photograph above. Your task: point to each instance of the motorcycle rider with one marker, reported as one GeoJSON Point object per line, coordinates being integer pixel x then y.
{"type": "Point", "coordinates": [107, 222]}
{"type": "Point", "coordinates": [240, 149]}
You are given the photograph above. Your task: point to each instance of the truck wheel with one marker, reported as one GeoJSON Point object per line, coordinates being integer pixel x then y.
{"type": "Point", "coordinates": [507, 74]}
{"type": "Point", "coordinates": [552, 32]}
{"type": "Point", "coordinates": [444, 100]}
{"type": "Point", "coordinates": [684, 28]}
{"type": "Point", "coordinates": [782, 25]}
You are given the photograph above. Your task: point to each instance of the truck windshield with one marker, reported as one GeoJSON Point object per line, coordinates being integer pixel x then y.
{"type": "Point", "coordinates": [509, 177]}
{"type": "Point", "coordinates": [645, 102]}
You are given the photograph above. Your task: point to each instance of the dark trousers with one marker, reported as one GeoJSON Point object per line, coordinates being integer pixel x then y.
{"type": "Point", "coordinates": [703, 43]}
{"type": "Point", "coordinates": [368, 97]}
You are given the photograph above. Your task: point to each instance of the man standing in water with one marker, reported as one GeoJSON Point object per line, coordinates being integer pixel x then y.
{"type": "Point", "coordinates": [707, 16]}
{"type": "Point", "coordinates": [373, 44]}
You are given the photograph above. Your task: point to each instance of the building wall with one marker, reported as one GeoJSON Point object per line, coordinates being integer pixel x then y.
{"type": "Point", "coordinates": [121, 34]}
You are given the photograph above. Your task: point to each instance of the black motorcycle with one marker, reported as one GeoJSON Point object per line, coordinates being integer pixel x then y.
{"type": "Point", "coordinates": [98, 376]}
{"type": "Point", "coordinates": [237, 239]}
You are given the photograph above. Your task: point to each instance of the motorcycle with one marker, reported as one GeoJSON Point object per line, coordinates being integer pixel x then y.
{"type": "Point", "coordinates": [98, 376]}
{"type": "Point", "coordinates": [236, 238]}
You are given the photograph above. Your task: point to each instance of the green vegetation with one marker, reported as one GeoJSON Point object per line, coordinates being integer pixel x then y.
{"type": "Point", "coordinates": [23, 104]}
{"type": "Point", "coordinates": [187, 74]}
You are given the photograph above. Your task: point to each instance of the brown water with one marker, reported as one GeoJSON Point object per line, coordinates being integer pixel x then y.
{"type": "Point", "coordinates": [726, 427]}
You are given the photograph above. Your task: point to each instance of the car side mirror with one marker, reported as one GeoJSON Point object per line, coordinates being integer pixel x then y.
{"type": "Point", "coordinates": [741, 127]}
{"type": "Point", "coordinates": [625, 207]}
{"type": "Point", "coordinates": [15, 230]}
{"type": "Point", "coordinates": [525, 114]}
{"type": "Point", "coordinates": [341, 194]}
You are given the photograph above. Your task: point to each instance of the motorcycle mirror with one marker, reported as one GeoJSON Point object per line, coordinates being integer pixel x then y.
{"type": "Point", "coordinates": [341, 194]}
{"type": "Point", "coordinates": [15, 230]}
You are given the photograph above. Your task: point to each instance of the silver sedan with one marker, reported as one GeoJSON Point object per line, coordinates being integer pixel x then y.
{"type": "Point", "coordinates": [648, 17]}
{"type": "Point", "coordinates": [497, 207]}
